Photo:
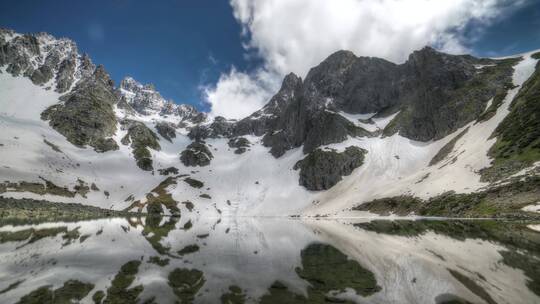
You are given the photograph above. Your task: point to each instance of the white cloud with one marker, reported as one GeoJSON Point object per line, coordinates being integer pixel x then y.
{"type": "Point", "coordinates": [237, 94]}
{"type": "Point", "coordinates": [295, 35]}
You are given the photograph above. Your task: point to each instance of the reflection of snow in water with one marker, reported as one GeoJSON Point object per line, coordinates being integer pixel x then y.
{"type": "Point", "coordinates": [254, 253]}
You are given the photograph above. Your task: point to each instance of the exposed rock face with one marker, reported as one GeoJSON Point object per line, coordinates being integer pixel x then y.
{"type": "Point", "coordinates": [435, 94]}
{"type": "Point", "coordinates": [166, 130]}
{"type": "Point", "coordinates": [145, 100]}
{"type": "Point", "coordinates": [17, 51]}
{"type": "Point", "coordinates": [141, 138]}
{"type": "Point", "coordinates": [266, 118]}
{"type": "Point", "coordinates": [440, 93]}
{"type": "Point", "coordinates": [87, 117]}
{"type": "Point", "coordinates": [354, 84]}
{"type": "Point", "coordinates": [220, 127]}
{"type": "Point", "coordinates": [323, 169]}
{"type": "Point", "coordinates": [41, 57]}
{"type": "Point", "coordinates": [310, 128]}
{"type": "Point", "coordinates": [196, 154]}
{"type": "Point", "coordinates": [240, 143]}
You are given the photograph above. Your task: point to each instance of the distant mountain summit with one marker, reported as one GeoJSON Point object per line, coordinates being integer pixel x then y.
{"type": "Point", "coordinates": [355, 130]}
{"type": "Point", "coordinates": [146, 100]}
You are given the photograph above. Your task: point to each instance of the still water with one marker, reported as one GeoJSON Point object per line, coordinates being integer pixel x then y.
{"type": "Point", "coordinates": [251, 260]}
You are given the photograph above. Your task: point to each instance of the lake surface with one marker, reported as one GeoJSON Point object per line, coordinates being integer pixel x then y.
{"type": "Point", "coordinates": [253, 260]}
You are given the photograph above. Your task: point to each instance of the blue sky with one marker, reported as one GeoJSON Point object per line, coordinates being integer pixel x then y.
{"type": "Point", "coordinates": [183, 45]}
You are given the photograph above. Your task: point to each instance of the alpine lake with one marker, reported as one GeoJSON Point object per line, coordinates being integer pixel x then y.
{"type": "Point", "coordinates": [269, 260]}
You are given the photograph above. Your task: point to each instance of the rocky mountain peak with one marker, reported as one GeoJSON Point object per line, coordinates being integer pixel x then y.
{"type": "Point", "coordinates": [143, 98]}
{"type": "Point", "coordinates": [146, 100]}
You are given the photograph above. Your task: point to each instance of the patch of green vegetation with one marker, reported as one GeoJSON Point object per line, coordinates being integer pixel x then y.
{"type": "Point", "coordinates": [446, 149]}
{"type": "Point", "coordinates": [528, 263]}
{"type": "Point", "coordinates": [158, 261]}
{"type": "Point", "coordinates": [98, 296]}
{"type": "Point", "coordinates": [29, 211]}
{"type": "Point", "coordinates": [194, 183]}
{"type": "Point", "coordinates": [47, 187]}
{"type": "Point", "coordinates": [518, 135]}
{"type": "Point", "coordinates": [233, 296]}
{"type": "Point", "coordinates": [157, 197]}
{"type": "Point", "coordinates": [72, 291]}
{"type": "Point", "coordinates": [279, 293]}
{"type": "Point", "coordinates": [513, 235]}
{"type": "Point", "coordinates": [522, 245]}
{"type": "Point", "coordinates": [11, 286]}
{"type": "Point", "coordinates": [186, 283]}
{"type": "Point", "coordinates": [154, 233]}
{"type": "Point", "coordinates": [536, 56]}
{"type": "Point", "coordinates": [329, 272]}
{"type": "Point", "coordinates": [118, 292]}
{"type": "Point", "coordinates": [31, 235]}
{"type": "Point", "coordinates": [497, 202]}
{"type": "Point", "coordinates": [189, 249]}
{"type": "Point", "coordinates": [81, 188]}
{"type": "Point", "coordinates": [71, 235]}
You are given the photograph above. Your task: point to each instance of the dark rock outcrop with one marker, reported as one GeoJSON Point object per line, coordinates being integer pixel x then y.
{"type": "Point", "coordinates": [141, 138]}
{"type": "Point", "coordinates": [240, 144]}
{"type": "Point", "coordinates": [220, 127]}
{"type": "Point", "coordinates": [87, 117]}
{"type": "Point", "coordinates": [17, 52]}
{"type": "Point", "coordinates": [166, 130]}
{"type": "Point", "coordinates": [168, 171]}
{"type": "Point", "coordinates": [440, 93]}
{"type": "Point", "coordinates": [323, 169]}
{"type": "Point", "coordinates": [196, 154]}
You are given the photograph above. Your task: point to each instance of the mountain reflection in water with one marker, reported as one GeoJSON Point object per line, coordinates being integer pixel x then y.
{"type": "Point", "coordinates": [253, 260]}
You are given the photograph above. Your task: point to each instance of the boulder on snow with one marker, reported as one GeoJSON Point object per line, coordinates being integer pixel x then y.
{"type": "Point", "coordinates": [196, 154]}
{"type": "Point", "coordinates": [240, 143]}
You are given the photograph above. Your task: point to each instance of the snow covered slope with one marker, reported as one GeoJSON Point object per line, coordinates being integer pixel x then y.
{"type": "Point", "coordinates": [36, 161]}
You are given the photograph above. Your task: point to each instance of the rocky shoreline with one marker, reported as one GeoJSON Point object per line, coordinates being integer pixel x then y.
{"type": "Point", "coordinates": [14, 211]}
{"type": "Point", "coordinates": [504, 201]}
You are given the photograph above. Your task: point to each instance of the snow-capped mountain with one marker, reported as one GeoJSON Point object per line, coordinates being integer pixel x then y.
{"type": "Point", "coordinates": [145, 100]}
{"type": "Point", "coordinates": [355, 130]}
